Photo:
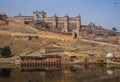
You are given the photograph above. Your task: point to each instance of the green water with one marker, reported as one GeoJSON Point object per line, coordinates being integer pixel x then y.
{"type": "Point", "coordinates": [67, 73]}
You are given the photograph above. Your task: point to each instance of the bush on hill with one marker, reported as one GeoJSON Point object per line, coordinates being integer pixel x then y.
{"type": "Point", "coordinates": [6, 51]}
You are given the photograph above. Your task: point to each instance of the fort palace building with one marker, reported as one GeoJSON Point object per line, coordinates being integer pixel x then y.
{"type": "Point", "coordinates": [40, 19]}
{"type": "Point", "coordinates": [65, 24]}
{"type": "Point", "coordinates": [62, 24]}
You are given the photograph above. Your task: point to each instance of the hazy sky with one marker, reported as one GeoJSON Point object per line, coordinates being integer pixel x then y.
{"type": "Point", "coordinates": [101, 12]}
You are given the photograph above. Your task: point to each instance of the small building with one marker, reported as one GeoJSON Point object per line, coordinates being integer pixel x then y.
{"type": "Point", "coordinates": [19, 20]}
{"type": "Point", "coordinates": [110, 57]}
{"type": "Point", "coordinates": [75, 34]}
{"type": "Point", "coordinates": [17, 60]}
{"type": "Point", "coordinates": [3, 16]}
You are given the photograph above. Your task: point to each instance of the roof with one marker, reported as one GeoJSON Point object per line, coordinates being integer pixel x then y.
{"type": "Point", "coordinates": [110, 55]}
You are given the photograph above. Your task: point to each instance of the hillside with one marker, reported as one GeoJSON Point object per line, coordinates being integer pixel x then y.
{"type": "Point", "coordinates": [52, 39]}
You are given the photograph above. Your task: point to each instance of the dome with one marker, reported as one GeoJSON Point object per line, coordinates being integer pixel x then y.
{"type": "Point", "coordinates": [110, 55]}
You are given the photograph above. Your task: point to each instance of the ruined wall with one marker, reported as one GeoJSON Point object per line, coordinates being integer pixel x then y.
{"type": "Point", "coordinates": [19, 20]}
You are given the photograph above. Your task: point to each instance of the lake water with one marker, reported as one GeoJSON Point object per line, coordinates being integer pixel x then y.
{"type": "Point", "coordinates": [66, 73]}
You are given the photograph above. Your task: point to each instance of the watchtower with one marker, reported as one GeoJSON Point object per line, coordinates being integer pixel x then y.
{"type": "Point", "coordinates": [39, 15]}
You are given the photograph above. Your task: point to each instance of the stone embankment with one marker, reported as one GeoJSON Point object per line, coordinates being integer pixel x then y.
{"type": "Point", "coordinates": [7, 61]}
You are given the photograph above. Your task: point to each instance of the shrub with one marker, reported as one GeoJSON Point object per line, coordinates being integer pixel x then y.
{"type": "Point", "coordinates": [6, 51]}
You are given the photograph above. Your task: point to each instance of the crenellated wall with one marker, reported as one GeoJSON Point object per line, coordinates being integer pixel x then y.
{"type": "Point", "coordinates": [64, 24]}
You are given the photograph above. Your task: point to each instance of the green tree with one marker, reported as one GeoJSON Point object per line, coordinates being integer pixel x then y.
{"type": "Point", "coordinates": [114, 29]}
{"type": "Point", "coordinates": [0, 52]}
{"type": "Point", "coordinates": [6, 51]}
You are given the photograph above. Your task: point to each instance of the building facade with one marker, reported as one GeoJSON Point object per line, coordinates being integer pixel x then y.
{"type": "Point", "coordinates": [19, 20]}
{"type": "Point", "coordinates": [60, 24]}
{"type": "Point", "coordinates": [63, 24]}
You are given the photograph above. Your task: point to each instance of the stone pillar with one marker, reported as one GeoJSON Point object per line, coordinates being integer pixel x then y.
{"type": "Point", "coordinates": [54, 21]}
{"type": "Point", "coordinates": [78, 22]}
{"type": "Point", "coordinates": [66, 23]}
{"type": "Point", "coordinates": [43, 15]}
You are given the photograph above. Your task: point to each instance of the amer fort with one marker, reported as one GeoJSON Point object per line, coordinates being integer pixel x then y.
{"type": "Point", "coordinates": [58, 48]}
{"type": "Point", "coordinates": [49, 41]}
{"type": "Point", "coordinates": [63, 24]}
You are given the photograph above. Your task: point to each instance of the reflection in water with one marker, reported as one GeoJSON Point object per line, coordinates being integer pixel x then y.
{"type": "Point", "coordinates": [110, 72]}
{"type": "Point", "coordinates": [66, 73]}
{"type": "Point", "coordinates": [5, 72]}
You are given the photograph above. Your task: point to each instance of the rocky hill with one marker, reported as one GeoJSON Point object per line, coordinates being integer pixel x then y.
{"type": "Point", "coordinates": [100, 31]}
{"type": "Point", "coordinates": [51, 39]}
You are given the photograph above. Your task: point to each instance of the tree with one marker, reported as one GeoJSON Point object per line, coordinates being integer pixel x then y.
{"type": "Point", "coordinates": [6, 51]}
{"type": "Point", "coordinates": [0, 52]}
{"type": "Point", "coordinates": [114, 29]}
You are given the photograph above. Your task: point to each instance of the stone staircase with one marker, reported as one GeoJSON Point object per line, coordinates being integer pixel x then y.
{"type": "Point", "coordinates": [40, 25]}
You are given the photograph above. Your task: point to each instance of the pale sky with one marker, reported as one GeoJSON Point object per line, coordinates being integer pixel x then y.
{"type": "Point", "coordinates": [102, 12]}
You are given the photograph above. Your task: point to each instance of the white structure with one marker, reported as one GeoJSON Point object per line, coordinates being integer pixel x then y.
{"type": "Point", "coordinates": [110, 55]}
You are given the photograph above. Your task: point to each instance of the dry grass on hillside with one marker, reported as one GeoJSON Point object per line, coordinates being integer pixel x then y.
{"type": "Point", "coordinates": [20, 46]}
{"type": "Point", "coordinates": [51, 39]}
{"type": "Point", "coordinates": [17, 46]}
{"type": "Point", "coordinates": [17, 29]}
